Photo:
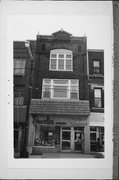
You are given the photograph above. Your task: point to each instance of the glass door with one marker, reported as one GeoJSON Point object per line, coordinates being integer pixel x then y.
{"type": "Point", "coordinates": [66, 138]}
{"type": "Point", "coordinates": [78, 139]}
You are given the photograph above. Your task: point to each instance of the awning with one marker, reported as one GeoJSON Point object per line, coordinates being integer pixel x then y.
{"type": "Point", "coordinates": [60, 107]}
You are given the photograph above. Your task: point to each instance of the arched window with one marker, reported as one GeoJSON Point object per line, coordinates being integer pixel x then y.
{"type": "Point", "coordinates": [61, 60]}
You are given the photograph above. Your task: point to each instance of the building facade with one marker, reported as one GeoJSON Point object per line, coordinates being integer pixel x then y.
{"type": "Point", "coordinates": [96, 98]}
{"type": "Point", "coordinates": [59, 111]}
{"type": "Point", "coordinates": [21, 88]}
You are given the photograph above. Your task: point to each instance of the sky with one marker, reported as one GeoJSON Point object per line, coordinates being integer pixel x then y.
{"type": "Point", "coordinates": [94, 27]}
{"type": "Point", "coordinates": [89, 19]}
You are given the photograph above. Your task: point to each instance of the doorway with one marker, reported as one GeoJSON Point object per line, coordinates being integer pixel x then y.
{"type": "Point", "coordinates": [72, 139]}
{"type": "Point", "coordinates": [66, 138]}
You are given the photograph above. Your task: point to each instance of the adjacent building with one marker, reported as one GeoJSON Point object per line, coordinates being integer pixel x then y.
{"type": "Point", "coordinates": [21, 88]}
{"type": "Point", "coordinates": [96, 98]}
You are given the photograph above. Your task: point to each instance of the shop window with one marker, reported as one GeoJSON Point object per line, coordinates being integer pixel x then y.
{"type": "Point", "coordinates": [97, 138]}
{"type": "Point", "coordinates": [47, 136]}
{"type": "Point", "coordinates": [97, 98]}
{"type": "Point", "coordinates": [96, 66]}
{"type": "Point", "coordinates": [61, 60]}
{"type": "Point", "coordinates": [60, 89]}
{"type": "Point", "coordinates": [19, 66]}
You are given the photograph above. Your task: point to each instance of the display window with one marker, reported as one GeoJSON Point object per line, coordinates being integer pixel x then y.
{"type": "Point", "coordinates": [47, 136]}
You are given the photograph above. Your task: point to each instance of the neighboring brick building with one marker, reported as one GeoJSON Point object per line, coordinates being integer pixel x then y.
{"type": "Point", "coordinates": [96, 97]}
{"type": "Point", "coordinates": [21, 87]}
{"type": "Point", "coordinates": [59, 112]}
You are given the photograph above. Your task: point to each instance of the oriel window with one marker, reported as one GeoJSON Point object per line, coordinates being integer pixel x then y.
{"type": "Point", "coordinates": [60, 89]}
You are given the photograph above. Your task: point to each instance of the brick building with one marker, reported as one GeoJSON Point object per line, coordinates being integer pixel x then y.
{"type": "Point", "coordinates": [21, 88]}
{"type": "Point", "coordinates": [96, 97]}
{"type": "Point", "coordinates": [67, 106]}
{"type": "Point", "coordinates": [59, 112]}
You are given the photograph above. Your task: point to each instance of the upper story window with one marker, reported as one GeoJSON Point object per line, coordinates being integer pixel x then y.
{"type": "Point", "coordinates": [97, 98]}
{"type": "Point", "coordinates": [61, 60]}
{"type": "Point", "coordinates": [43, 47]}
{"type": "Point", "coordinates": [96, 66]}
{"type": "Point", "coordinates": [18, 96]}
{"type": "Point", "coordinates": [19, 66]}
{"type": "Point", "coordinates": [60, 89]}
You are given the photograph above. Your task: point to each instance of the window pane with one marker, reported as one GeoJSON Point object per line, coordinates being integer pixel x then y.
{"type": "Point", "coordinates": [96, 70]}
{"type": "Point", "coordinates": [93, 128]}
{"type": "Point", "coordinates": [74, 88]}
{"type": "Point", "coordinates": [68, 55]}
{"type": "Point", "coordinates": [60, 81]}
{"type": "Point", "coordinates": [53, 63]}
{"type": "Point", "coordinates": [74, 95]}
{"type": "Point", "coordinates": [46, 94]}
{"type": "Point", "coordinates": [97, 102]}
{"type": "Point", "coordinates": [19, 66]}
{"type": "Point", "coordinates": [61, 64]}
{"type": "Point", "coordinates": [60, 91]}
{"type": "Point", "coordinates": [98, 93]}
{"type": "Point", "coordinates": [96, 64]}
{"type": "Point", "coordinates": [68, 64]}
{"type": "Point", "coordinates": [61, 56]}
{"type": "Point", "coordinates": [53, 55]}
{"type": "Point", "coordinates": [74, 81]}
{"type": "Point", "coordinates": [66, 135]}
{"type": "Point", "coordinates": [47, 81]}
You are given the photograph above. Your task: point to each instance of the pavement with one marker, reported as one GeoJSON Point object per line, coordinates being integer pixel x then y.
{"type": "Point", "coordinates": [62, 155]}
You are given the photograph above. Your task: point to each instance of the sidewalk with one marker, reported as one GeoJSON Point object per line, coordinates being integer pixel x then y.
{"type": "Point", "coordinates": [62, 155]}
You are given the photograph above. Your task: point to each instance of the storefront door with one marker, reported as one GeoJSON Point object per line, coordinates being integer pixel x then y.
{"type": "Point", "coordinates": [78, 141]}
{"type": "Point", "coordinates": [72, 139]}
{"type": "Point", "coordinates": [66, 138]}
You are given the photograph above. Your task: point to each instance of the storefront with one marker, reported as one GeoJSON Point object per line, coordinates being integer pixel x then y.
{"type": "Point", "coordinates": [97, 132]}
{"type": "Point", "coordinates": [59, 133]}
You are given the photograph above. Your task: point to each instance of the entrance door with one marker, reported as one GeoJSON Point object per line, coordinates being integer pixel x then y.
{"type": "Point", "coordinates": [72, 138]}
{"type": "Point", "coordinates": [66, 138]}
{"type": "Point", "coordinates": [78, 139]}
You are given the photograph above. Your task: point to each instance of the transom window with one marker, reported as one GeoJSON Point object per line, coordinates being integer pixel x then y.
{"type": "Point", "coordinates": [96, 66]}
{"type": "Point", "coordinates": [60, 89]}
{"type": "Point", "coordinates": [61, 60]}
{"type": "Point", "coordinates": [19, 66]}
{"type": "Point", "coordinates": [97, 98]}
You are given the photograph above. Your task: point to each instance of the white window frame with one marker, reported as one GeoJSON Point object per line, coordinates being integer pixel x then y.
{"type": "Point", "coordinates": [68, 85]}
{"type": "Point", "coordinates": [64, 52]}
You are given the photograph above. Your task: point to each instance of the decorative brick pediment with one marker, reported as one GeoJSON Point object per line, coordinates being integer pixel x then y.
{"type": "Point", "coordinates": [62, 34]}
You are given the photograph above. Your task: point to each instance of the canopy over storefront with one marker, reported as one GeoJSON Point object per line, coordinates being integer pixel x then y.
{"type": "Point", "coordinates": [60, 107]}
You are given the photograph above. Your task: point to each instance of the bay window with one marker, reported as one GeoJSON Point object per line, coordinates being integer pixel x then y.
{"type": "Point", "coordinates": [60, 89]}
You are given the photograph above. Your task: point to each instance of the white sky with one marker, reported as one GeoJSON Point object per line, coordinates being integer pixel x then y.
{"type": "Point", "coordinates": [78, 18]}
